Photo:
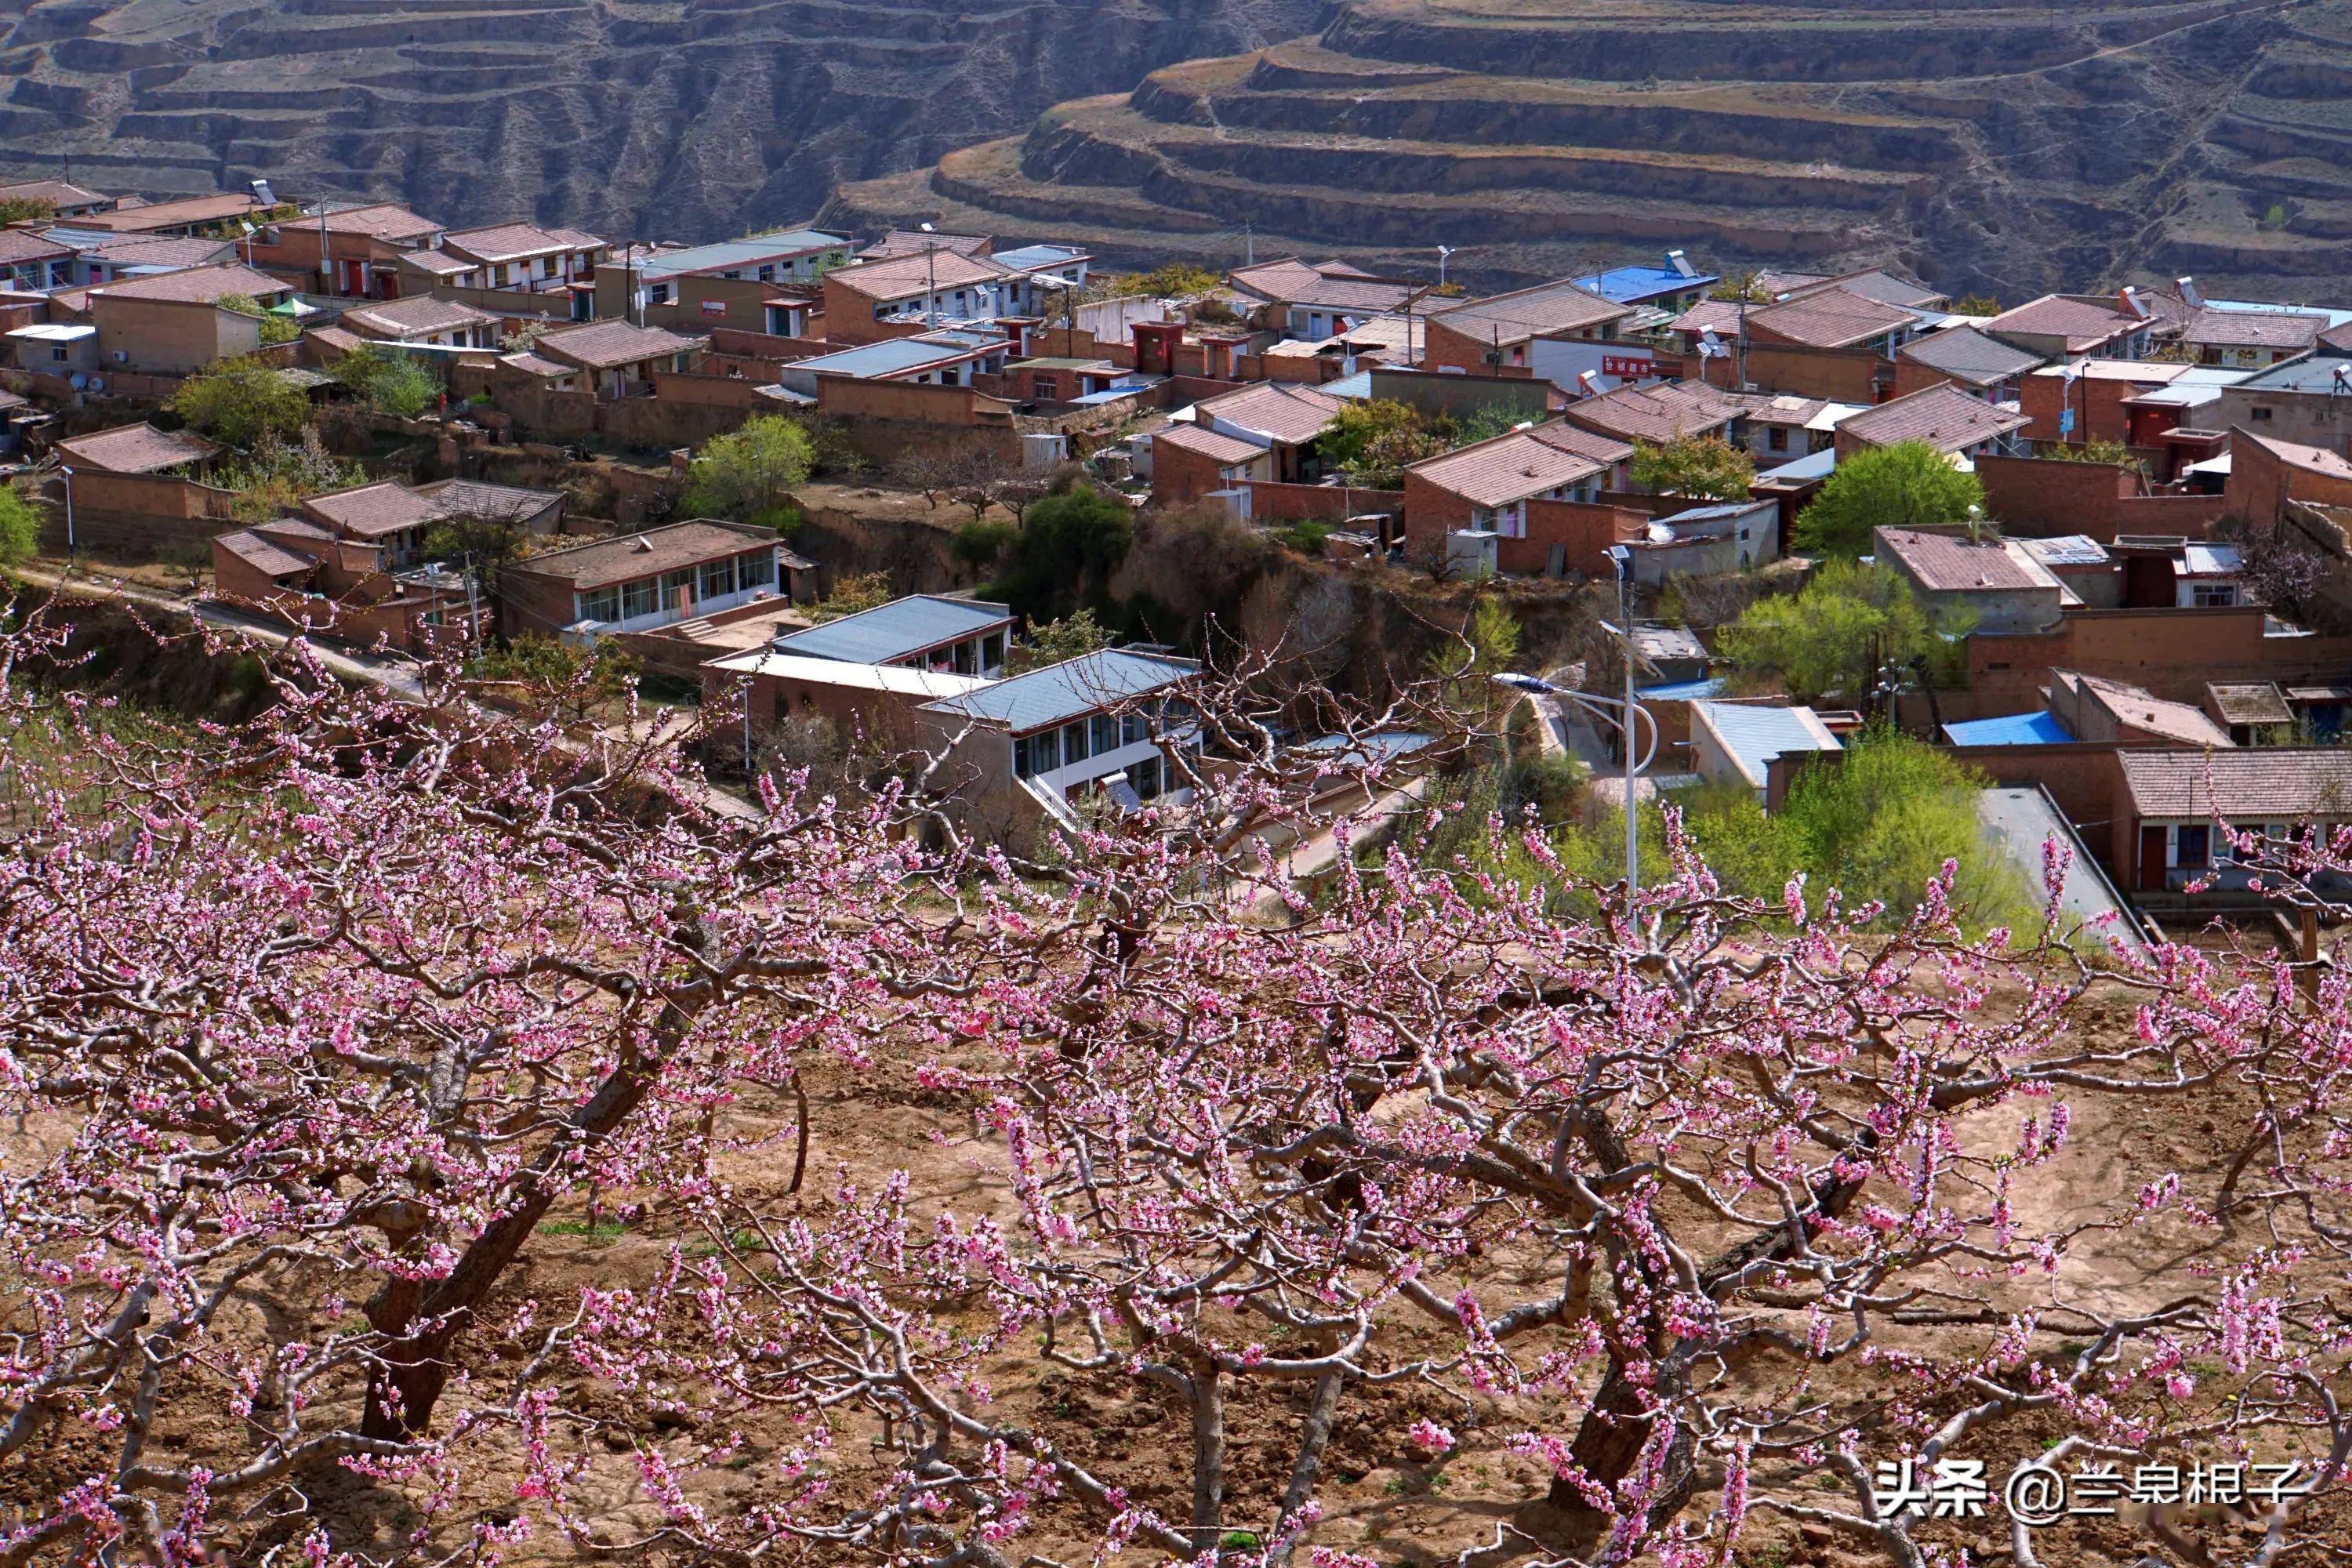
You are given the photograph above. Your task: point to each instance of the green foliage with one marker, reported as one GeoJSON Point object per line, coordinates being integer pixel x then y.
{"type": "Point", "coordinates": [20, 528]}
{"type": "Point", "coordinates": [982, 544]}
{"type": "Point", "coordinates": [483, 542]}
{"type": "Point", "coordinates": [1177, 281]}
{"type": "Point", "coordinates": [2275, 217]}
{"type": "Point", "coordinates": [1482, 424]}
{"type": "Point", "coordinates": [396, 384]}
{"type": "Point", "coordinates": [1055, 642]}
{"type": "Point", "coordinates": [2114, 452]}
{"type": "Point", "coordinates": [1976, 305]}
{"type": "Point", "coordinates": [1490, 641]}
{"type": "Point", "coordinates": [559, 672]}
{"type": "Point", "coordinates": [851, 594]}
{"type": "Point", "coordinates": [1824, 639]}
{"type": "Point", "coordinates": [1307, 537]}
{"type": "Point", "coordinates": [1068, 545]}
{"type": "Point", "coordinates": [278, 475]}
{"type": "Point", "coordinates": [21, 209]}
{"type": "Point", "coordinates": [274, 329]}
{"type": "Point", "coordinates": [1747, 285]}
{"type": "Point", "coordinates": [240, 400]}
{"type": "Point", "coordinates": [749, 474]}
{"type": "Point", "coordinates": [1704, 468]}
{"type": "Point", "coordinates": [1907, 485]}
{"type": "Point", "coordinates": [1374, 441]}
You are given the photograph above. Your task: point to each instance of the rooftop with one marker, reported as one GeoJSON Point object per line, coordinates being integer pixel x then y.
{"type": "Point", "coordinates": [2267, 784]}
{"type": "Point", "coordinates": [382, 220]}
{"type": "Point", "coordinates": [418, 313]}
{"type": "Point", "coordinates": [1968, 355]}
{"type": "Point", "coordinates": [1953, 563]}
{"type": "Point", "coordinates": [1223, 450]}
{"type": "Point", "coordinates": [1878, 283]}
{"type": "Point", "coordinates": [750, 251]}
{"type": "Point", "coordinates": [605, 345]}
{"type": "Point", "coordinates": [2249, 703]}
{"type": "Point", "coordinates": [2082, 324]}
{"type": "Point", "coordinates": [1509, 468]}
{"type": "Point", "coordinates": [513, 241]}
{"type": "Point", "coordinates": [1071, 689]}
{"type": "Point", "coordinates": [1513, 318]}
{"type": "Point", "coordinates": [1657, 413]}
{"type": "Point", "coordinates": [2041, 729]}
{"type": "Point", "coordinates": [1753, 734]}
{"type": "Point", "coordinates": [631, 556]}
{"type": "Point", "coordinates": [1280, 411]}
{"type": "Point", "coordinates": [1831, 318]}
{"type": "Point", "coordinates": [1633, 285]}
{"type": "Point", "coordinates": [901, 276]}
{"type": "Point", "coordinates": [198, 285]}
{"type": "Point", "coordinates": [914, 242]}
{"type": "Point", "coordinates": [895, 678]}
{"type": "Point", "coordinates": [19, 245]}
{"type": "Point", "coordinates": [899, 629]}
{"type": "Point", "coordinates": [1333, 285]}
{"type": "Point", "coordinates": [1942, 416]}
{"type": "Point", "coordinates": [2067, 550]}
{"type": "Point", "coordinates": [2139, 709]}
{"type": "Point", "coordinates": [898, 356]}
{"type": "Point", "coordinates": [2326, 374]}
{"type": "Point", "coordinates": [2314, 459]}
{"type": "Point", "coordinates": [370, 510]}
{"type": "Point", "coordinates": [137, 449]}
{"type": "Point", "coordinates": [187, 210]}
{"type": "Point", "coordinates": [1035, 257]}
{"type": "Point", "coordinates": [2293, 331]}
{"type": "Point", "coordinates": [269, 558]}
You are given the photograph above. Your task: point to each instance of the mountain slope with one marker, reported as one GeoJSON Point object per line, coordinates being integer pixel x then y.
{"type": "Point", "coordinates": [685, 119]}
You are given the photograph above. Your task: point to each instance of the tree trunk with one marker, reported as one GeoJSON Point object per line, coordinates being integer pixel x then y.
{"type": "Point", "coordinates": [1208, 1453]}
{"type": "Point", "coordinates": [1610, 1443]}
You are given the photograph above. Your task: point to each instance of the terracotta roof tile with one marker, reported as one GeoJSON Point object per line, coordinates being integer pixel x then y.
{"type": "Point", "coordinates": [137, 449]}
{"type": "Point", "coordinates": [633, 556]}
{"type": "Point", "coordinates": [1513, 318]}
{"type": "Point", "coordinates": [2264, 784]}
{"type": "Point", "coordinates": [1942, 416]}
{"type": "Point", "coordinates": [1831, 318]}
{"type": "Point", "coordinates": [606, 346]}
{"type": "Point", "coordinates": [1223, 450]}
{"type": "Point", "coordinates": [1953, 563]}
{"type": "Point", "coordinates": [1284, 411]}
{"type": "Point", "coordinates": [196, 285]}
{"type": "Point", "coordinates": [1507, 468]}
{"type": "Point", "coordinates": [1657, 413]}
{"type": "Point", "coordinates": [415, 316]}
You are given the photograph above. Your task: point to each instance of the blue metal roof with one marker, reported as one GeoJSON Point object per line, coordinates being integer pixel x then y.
{"type": "Point", "coordinates": [1683, 690]}
{"type": "Point", "coordinates": [1071, 689]}
{"type": "Point", "coordinates": [1356, 388]}
{"type": "Point", "coordinates": [1631, 285]}
{"type": "Point", "coordinates": [1034, 256]}
{"type": "Point", "coordinates": [2017, 729]}
{"type": "Point", "coordinates": [749, 251]}
{"type": "Point", "coordinates": [1755, 734]}
{"type": "Point", "coordinates": [1814, 466]}
{"type": "Point", "coordinates": [894, 630]}
{"type": "Point", "coordinates": [893, 356]}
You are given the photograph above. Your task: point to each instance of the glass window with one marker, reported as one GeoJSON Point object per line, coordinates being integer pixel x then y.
{"type": "Point", "coordinates": [1020, 769]}
{"type": "Point", "coordinates": [768, 273]}
{"type": "Point", "coordinates": [499, 275]}
{"type": "Point", "coordinates": [1106, 733]}
{"type": "Point", "coordinates": [2195, 845]}
{"type": "Point", "coordinates": [641, 597]}
{"type": "Point", "coordinates": [603, 604]}
{"type": "Point", "coordinates": [755, 571]}
{"type": "Point", "coordinates": [1074, 741]}
{"type": "Point", "coordinates": [1133, 726]}
{"type": "Point", "coordinates": [992, 651]}
{"type": "Point", "coordinates": [718, 578]}
{"type": "Point", "coordinates": [1044, 751]}
{"type": "Point", "coordinates": [1144, 776]}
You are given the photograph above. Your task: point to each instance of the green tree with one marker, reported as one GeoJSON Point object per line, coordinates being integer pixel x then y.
{"type": "Point", "coordinates": [25, 209]}
{"type": "Point", "coordinates": [1704, 468]}
{"type": "Point", "coordinates": [1056, 642]}
{"type": "Point", "coordinates": [278, 475]}
{"type": "Point", "coordinates": [1068, 545]}
{"type": "Point", "coordinates": [20, 528]}
{"type": "Point", "coordinates": [980, 545]}
{"type": "Point", "coordinates": [1747, 285]}
{"type": "Point", "coordinates": [1490, 641]}
{"type": "Point", "coordinates": [560, 676]}
{"type": "Point", "coordinates": [1483, 424]}
{"type": "Point", "coordinates": [240, 400]}
{"type": "Point", "coordinates": [749, 474]}
{"type": "Point", "coordinates": [852, 595]}
{"type": "Point", "coordinates": [1176, 280]}
{"type": "Point", "coordinates": [482, 543]}
{"type": "Point", "coordinates": [2114, 452]}
{"type": "Point", "coordinates": [1976, 305]}
{"type": "Point", "coordinates": [1374, 441]}
{"type": "Point", "coordinates": [1826, 638]}
{"type": "Point", "coordinates": [396, 384]}
{"type": "Point", "coordinates": [274, 329]}
{"type": "Point", "coordinates": [1907, 485]}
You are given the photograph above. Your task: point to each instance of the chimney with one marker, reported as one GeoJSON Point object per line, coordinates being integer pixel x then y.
{"type": "Point", "coordinates": [2189, 295]}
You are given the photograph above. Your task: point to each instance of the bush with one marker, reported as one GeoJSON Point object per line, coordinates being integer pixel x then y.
{"type": "Point", "coordinates": [1825, 638]}
{"type": "Point", "coordinates": [560, 673]}
{"type": "Point", "coordinates": [238, 401]}
{"type": "Point", "coordinates": [852, 595]}
{"type": "Point", "coordinates": [274, 329]}
{"type": "Point", "coordinates": [398, 384]}
{"type": "Point", "coordinates": [20, 527]}
{"type": "Point", "coordinates": [1704, 468]}
{"type": "Point", "coordinates": [982, 544]}
{"type": "Point", "coordinates": [279, 474]}
{"type": "Point", "coordinates": [1307, 537]}
{"type": "Point", "coordinates": [1907, 485]}
{"type": "Point", "coordinates": [1054, 642]}
{"type": "Point", "coordinates": [1067, 548]}
{"type": "Point", "coordinates": [749, 474]}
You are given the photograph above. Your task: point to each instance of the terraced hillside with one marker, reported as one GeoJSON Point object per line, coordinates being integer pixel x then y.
{"type": "Point", "coordinates": [2009, 142]}
{"type": "Point", "coordinates": [685, 119]}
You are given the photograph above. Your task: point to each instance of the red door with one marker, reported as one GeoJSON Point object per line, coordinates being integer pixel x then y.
{"type": "Point", "coordinates": [2151, 859]}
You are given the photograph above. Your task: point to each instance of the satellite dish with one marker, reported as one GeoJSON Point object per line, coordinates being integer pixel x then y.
{"type": "Point", "coordinates": [96, 384]}
{"type": "Point", "coordinates": [77, 381]}
{"type": "Point", "coordinates": [1710, 346]}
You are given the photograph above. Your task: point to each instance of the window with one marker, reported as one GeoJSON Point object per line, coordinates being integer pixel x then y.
{"type": "Point", "coordinates": [1106, 733]}
{"type": "Point", "coordinates": [1776, 438]}
{"type": "Point", "coordinates": [1143, 777]}
{"type": "Point", "coordinates": [639, 598]}
{"type": "Point", "coordinates": [58, 353]}
{"type": "Point", "coordinates": [1074, 742]}
{"type": "Point", "coordinates": [602, 605]}
{"type": "Point", "coordinates": [768, 273]}
{"type": "Point", "coordinates": [755, 571]}
{"type": "Point", "coordinates": [2213, 595]}
{"type": "Point", "coordinates": [992, 651]}
{"type": "Point", "coordinates": [499, 275]}
{"type": "Point", "coordinates": [2193, 846]}
{"type": "Point", "coordinates": [659, 294]}
{"type": "Point", "coordinates": [1038, 753]}
{"type": "Point", "coordinates": [2262, 415]}
{"type": "Point", "coordinates": [1047, 387]}
{"type": "Point", "coordinates": [718, 578]}
{"type": "Point", "coordinates": [1134, 727]}
{"type": "Point", "coordinates": [672, 584]}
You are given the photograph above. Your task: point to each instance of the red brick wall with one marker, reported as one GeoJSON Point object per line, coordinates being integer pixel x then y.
{"type": "Point", "coordinates": [2081, 778]}
{"type": "Point", "coordinates": [2172, 652]}
{"type": "Point", "coordinates": [1429, 514]}
{"type": "Point", "coordinates": [2041, 498]}
{"type": "Point", "coordinates": [1272, 502]}
{"type": "Point", "coordinates": [1445, 348]}
{"type": "Point", "coordinates": [1911, 376]}
{"type": "Point", "coordinates": [1587, 532]}
{"type": "Point", "coordinates": [1179, 475]}
{"type": "Point", "coordinates": [2098, 405]}
{"type": "Point", "coordinates": [2261, 485]}
{"type": "Point", "coordinates": [1844, 376]}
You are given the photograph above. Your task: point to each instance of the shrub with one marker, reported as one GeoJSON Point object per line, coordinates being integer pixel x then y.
{"type": "Point", "coordinates": [1307, 537]}
{"type": "Point", "coordinates": [982, 544]}
{"type": "Point", "coordinates": [749, 474]}
{"type": "Point", "coordinates": [851, 594]}
{"type": "Point", "coordinates": [1704, 468]}
{"type": "Point", "coordinates": [274, 329]}
{"type": "Point", "coordinates": [20, 527]}
{"type": "Point", "coordinates": [238, 401]}
{"type": "Point", "coordinates": [398, 384]}
{"type": "Point", "coordinates": [1067, 547]}
{"type": "Point", "coordinates": [1907, 485]}
{"type": "Point", "coordinates": [1826, 638]}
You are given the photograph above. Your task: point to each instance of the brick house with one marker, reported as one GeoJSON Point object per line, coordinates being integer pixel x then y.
{"type": "Point", "coordinates": [2170, 806]}
{"type": "Point", "coordinates": [2002, 586]}
{"type": "Point", "coordinates": [33, 263]}
{"type": "Point", "coordinates": [2071, 326]}
{"type": "Point", "coordinates": [1955, 423]}
{"type": "Point", "coordinates": [1318, 299]}
{"type": "Point", "coordinates": [352, 252]}
{"type": "Point", "coordinates": [1966, 358]}
{"type": "Point", "coordinates": [1094, 725]}
{"type": "Point", "coordinates": [921, 631]}
{"type": "Point", "coordinates": [618, 360]}
{"type": "Point", "coordinates": [902, 295]}
{"type": "Point", "coordinates": [112, 258]}
{"type": "Point", "coordinates": [182, 217]}
{"type": "Point", "coordinates": [172, 323]}
{"type": "Point", "coordinates": [1833, 318]}
{"type": "Point", "coordinates": [1538, 490]}
{"type": "Point", "coordinates": [66, 199]}
{"type": "Point", "coordinates": [1660, 413]}
{"type": "Point", "coordinates": [396, 519]}
{"type": "Point", "coordinates": [727, 284]}
{"type": "Point", "coordinates": [2307, 401]}
{"type": "Point", "coordinates": [1674, 288]}
{"type": "Point", "coordinates": [424, 320]}
{"type": "Point", "coordinates": [1189, 462]}
{"type": "Point", "coordinates": [1283, 419]}
{"type": "Point", "coordinates": [2266, 474]}
{"type": "Point", "coordinates": [521, 260]}
{"type": "Point", "coordinates": [640, 581]}
{"type": "Point", "coordinates": [306, 577]}
{"type": "Point", "coordinates": [1533, 332]}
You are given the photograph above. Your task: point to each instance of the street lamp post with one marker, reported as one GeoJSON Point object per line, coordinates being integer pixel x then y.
{"type": "Point", "coordinates": [1625, 714]}
{"type": "Point", "coordinates": [68, 472]}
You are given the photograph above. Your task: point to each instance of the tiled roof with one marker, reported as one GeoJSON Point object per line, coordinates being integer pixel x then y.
{"type": "Point", "coordinates": [531, 364]}
{"type": "Point", "coordinates": [384, 220]}
{"type": "Point", "coordinates": [146, 250]}
{"type": "Point", "coordinates": [438, 262]}
{"type": "Point", "coordinates": [1942, 416]}
{"type": "Point", "coordinates": [2081, 324]}
{"type": "Point", "coordinates": [2264, 784]}
{"type": "Point", "coordinates": [1560, 307]}
{"type": "Point", "coordinates": [1281, 411]}
{"type": "Point", "coordinates": [1566, 437]}
{"type": "Point", "coordinates": [1781, 284]}
{"type": "Point", "coordinates": [2316, 459]}
{"type": "Point", "coordinates": [137, 449]}
{"type": "Point", "coordinates": [1718, 316]}
{"type": "Point", "coordinates": [922, 272]}
{"type": "Point", "coordinates": [370, 510]}
{"type": "Point", "coordinates": [1831, 318]}
{"type": "Point", "coordinates": [914, 242]}
{"type": "Point", "coordinates": [22, 245]}
{"type": "Point", "coordinates": [655, 550]}
{"type": "Point", "coordinates": [196, 285]}
{"type": "Point", "coordinates": [336, 338]}
{"type": "Point", "coordinates": [1951, 563]}
{"type": "Point", "coordinates": [897, 630]}
{"type": "Point", "coordinates": [1061, 692]}
{"type": "Point", "coordinates": [2249, 703]}
{"type": "Point", "coordinates": [1332, 285]}
{"type": "Point", "coordinates": [270, 559]}
{"type": "Point", "coordinates": [455, 497]}
{"type": "Point", "coordinates": [1657, 413]}
{"type": "Point", "coordinates": [147, 219]}
{"type": "Point", "coordinates": [604, 345]}
{"type": "Point", "coordinates": [2253, 329]}
{"type": "Point", "coordinates": [1507, 468]}
{"type": "Point", "coordinates": [2142, 709]}
{"type": "Point", "coordinates": [506, 241]}
{"type": "Point", "coordinates": [416, 315]}
{"type": "Point", "coordinates": [1223, 450]}
{"type": "Point", "coordinates": [1879, 284]}
{"type": "Point", "coordinates": [58, 193]}
{"type": "Point", "coordinates": [1967, 354]}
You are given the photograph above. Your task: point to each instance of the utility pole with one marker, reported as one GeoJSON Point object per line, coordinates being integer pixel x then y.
{"type": "Point", "coordinates": [1249, 243]}
{"type": "Point", "coordinates": [68, 472]}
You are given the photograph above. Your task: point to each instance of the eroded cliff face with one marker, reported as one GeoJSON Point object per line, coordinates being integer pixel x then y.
{"type": "Point", "coordinates": [674, 118]}
{"type": "Point", "coordinates": [2022, 146]}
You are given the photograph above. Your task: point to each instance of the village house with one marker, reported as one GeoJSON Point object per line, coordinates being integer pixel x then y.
{"type": "Point", "coordinates": [2093, 708]}
{"type": "Point", "coordinates": [1707, 540]}
{"type": "Point", "coordinates": [1660, 413]}
{"type": "Point", "coordinates": [352, 252]}
{"type": "Point", "coordinates": [949, 357]}
{"type": "Point", "coordinates": [1302, 300]}
{"type": "Point", "coordinates": [1833, 318]}
{"type": "Point", "coordinates": [1092, 725]}
{"type": "Point", "coordinates": [101, 258]}
{"type": "Point", "coordinates": [903, 295]}
{"type": "Point", "coordinates": [1673, 288]}
{"type": "Point", "coordinates": [1738, 742]}
{"type": "Point", "coordinates": [306, 577]}
{"type": "Point", "coordinates": [1560, 331]}
{"type": "Point", "coordinates": [1964, 357]}
{"type": "Point", "coordinates": [183, 216]}
{"type": "Point", "coordinates": [1537, 490]}
{"type": "Point", "coordinates": [2171, 807]}
{"type": "Point", "coordinates": [1042, 276]}
{"type": "Point", "coordinates": [1190, 463]}
{"type": "Point", "coordinates": [2254, 712]}
{"type": "Point", "coordinates": [34, 263]}
{"type": "Point", "coordinates": [1991, 580]}
{"type": "Point", "coordinates": [2071, 326]}
{"type": "Point", "coordinates": [425, 321]}
{"type": "Point", "coordinates": [617, 359]}
{"type": "Point", "coordinates": [1283, 419]}
{"type": "Point", "coordinates": [901, 242]}
{"type": "Point", "coordinates": [1879, 283]}
{"type": "Point", "coordinates": [1955, 423]}
{"type": "Point", "coordinates": [138, 449]}
{"type": "Point", "coordinates": [171, 323]}
{"type": "Point", "coordinates": [727, 284]}
{"type": "Point", "coordinates": [2305, 401]}
{"type": "Point", "coordinates": [64, 198]}
{"type": "Point", "coordinates": [1782, 427]}
{"type": "Point", "coordinates": [510, 269]}
{"type": "Point", "coordinates": [875, 703]}
{"type": "Point", "coordinates": [55, 348]}
{"type": "Point", "coordinates": [921, 631]}
{"type": "Point", "coordinates": [640, 581]}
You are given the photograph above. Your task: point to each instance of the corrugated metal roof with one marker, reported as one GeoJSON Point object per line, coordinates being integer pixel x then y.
{"type": "Point", "coordinates": [895, 678]}
{"type": "Point", "coordinates": [892, 356]}
{"type": "Point", "coordinates": [1029, 257]}
{"type": "Point", "coordinates": [1071, 689]}
{"type": "Point", "coordinates": [896, 630]}
{"type": "Point", "coordinates": [1631, 285]}
{"type": "Point", "coordinates": [1755, 734]}
{"type": "Point", "coordinates": [2041, 729]}
{"type": "Point", "coordinates": [749, 251]}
